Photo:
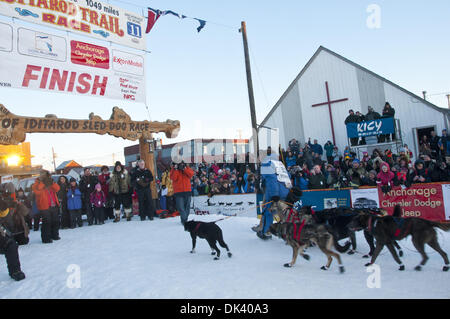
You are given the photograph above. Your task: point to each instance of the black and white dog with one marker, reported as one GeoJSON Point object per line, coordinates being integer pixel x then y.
{"type": "Point", "coordinates": [209, 231]}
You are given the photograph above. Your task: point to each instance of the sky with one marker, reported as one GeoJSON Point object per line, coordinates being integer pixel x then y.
{"type": "Point", "coordinates": [200, 80]}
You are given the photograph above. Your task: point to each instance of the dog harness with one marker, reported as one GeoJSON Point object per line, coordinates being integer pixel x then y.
{"type": "Point", "coordinates": [401, 226]}
{"type": "Point", "coordinates": [298, 230]}
{"type": "Point", "coordinates": [294, 215]}
{"type": "Point", "coordinates": [197, 227]}
{"type": "Point", "coordinates": [371, 225]}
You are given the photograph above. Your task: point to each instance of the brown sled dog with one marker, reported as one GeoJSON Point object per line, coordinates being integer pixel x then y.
{"type": "Point", "coordinates": [299, 235]}
{"type": "Point", "coordinates": [388, 229]}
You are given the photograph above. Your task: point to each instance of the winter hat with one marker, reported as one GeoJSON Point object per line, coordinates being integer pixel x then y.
{"type": "Point", "coordinates": [356, 161]}
{"type": "Point", "coordinates": [374, 172]}
{"type": "Point", "coordinates": [73, 180]}
{"type": "Point", "coordinates": [402, 150]}
{"type": "Point", "coordinates": [98, 186]}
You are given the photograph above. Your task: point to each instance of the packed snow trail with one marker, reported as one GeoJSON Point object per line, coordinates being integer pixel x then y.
{"type": "Point", "coordinates": [151, 259]}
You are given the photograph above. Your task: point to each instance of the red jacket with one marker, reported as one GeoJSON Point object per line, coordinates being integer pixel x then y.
{"type": "Point", "coordinates": [181, 180]}
{"type": "Point", "coordinates": [103, 180]}
{"type": "Point", "coordinates": [42, 194]}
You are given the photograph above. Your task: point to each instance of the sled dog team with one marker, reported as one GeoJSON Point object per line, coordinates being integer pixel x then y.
{"type": "Point", "coordinates": [302, 227]}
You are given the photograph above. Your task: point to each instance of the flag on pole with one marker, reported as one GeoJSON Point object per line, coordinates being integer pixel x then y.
{"type": "Point", "coordinates": [154, 14]}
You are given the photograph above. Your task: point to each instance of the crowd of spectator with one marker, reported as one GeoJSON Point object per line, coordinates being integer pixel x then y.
{"type": "Point", "coordinates": [312, 166]}
{"type": "Point", "coordinates": [218, 178]}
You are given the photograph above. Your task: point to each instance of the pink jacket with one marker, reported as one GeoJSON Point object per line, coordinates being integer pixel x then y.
{"type": "Point", "coordinates": [385, 178]}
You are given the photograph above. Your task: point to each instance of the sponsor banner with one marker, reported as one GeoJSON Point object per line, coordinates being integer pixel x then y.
{"type": "Point", "coordinates": [6, 33]}
{"type": "Point", "coordinates": [420, 200]}
{"type": "Point", "coordinates": [41, 45]}
{"type": "Point", "coordinates": [326, 199]}
{"type": "Point", "coordinates": [86, 17]}
{"type": "Point", "coordinates": [365, 198]}
{"type": "Point", "coordinates": [228, 205]}
{"type": "Point", "coordinates": [89, 55]}
{"type": "Point", "coordinates": [446, 196]}
{"type": "Point", "coordinates": [50, 63]}
{"type": "Point", "coordinates": [7, 179]}
{"type": "Point", "coordinates": [371, 128]}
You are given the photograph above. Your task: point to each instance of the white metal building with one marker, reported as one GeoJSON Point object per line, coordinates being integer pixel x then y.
{"type": "Point", "coordinates": [350, 86]}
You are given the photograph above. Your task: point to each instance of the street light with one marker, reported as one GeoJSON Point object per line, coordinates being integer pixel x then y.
{"type": "Point", "coordinates": [13, 160]}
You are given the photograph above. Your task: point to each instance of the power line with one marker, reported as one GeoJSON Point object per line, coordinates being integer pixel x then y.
{"type": "Point", "coordinates": [211, 22]}
{"type": "Point", "coordinates": [443, 93]}
{"type": "Point", "coordinates": [259, 76]}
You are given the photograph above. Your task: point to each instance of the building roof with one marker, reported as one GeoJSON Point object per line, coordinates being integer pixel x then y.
{"type": "Point", "coordinates": [65, 164]}
{"type": "Point", "coordinates": [446, 112]}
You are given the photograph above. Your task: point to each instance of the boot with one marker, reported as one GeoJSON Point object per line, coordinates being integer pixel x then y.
{"type": "Point", "coordinates": [128, 213]}
{"type": "Point", "coordinates": [117, 214]}
{"type": "Point", "coordinates": [18, 275]}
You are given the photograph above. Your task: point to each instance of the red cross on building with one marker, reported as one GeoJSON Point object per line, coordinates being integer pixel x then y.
{"type": "Point", "coordinates": [329, 102]}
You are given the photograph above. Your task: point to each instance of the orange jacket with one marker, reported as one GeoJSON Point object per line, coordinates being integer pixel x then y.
{"type": "Point", "coordinates": [42, 200]}
{"type": "Point", "coordinates": [181, 180]}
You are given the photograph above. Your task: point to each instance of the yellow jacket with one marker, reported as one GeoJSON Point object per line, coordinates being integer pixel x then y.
{"type": "Point", "coordinates": [166, 181]}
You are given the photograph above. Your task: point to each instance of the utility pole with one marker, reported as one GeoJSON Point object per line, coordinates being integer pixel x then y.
{"type": "Point", "coordinates": [448, 98]}
{"type": "Point", "coordinates": [251, 95]}
{"type": "Point", "coordinates": [54, 162]}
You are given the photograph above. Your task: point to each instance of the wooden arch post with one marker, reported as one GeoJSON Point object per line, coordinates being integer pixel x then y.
{"type": "Point", "coordinates": [148, 155]}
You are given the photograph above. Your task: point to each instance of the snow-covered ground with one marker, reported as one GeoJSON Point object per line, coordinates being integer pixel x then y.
{"type": "Point", "coordinates": [151, 259]}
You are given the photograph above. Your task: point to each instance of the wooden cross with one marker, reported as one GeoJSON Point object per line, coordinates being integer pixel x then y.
{"type": "Point", "coordinates": [329, 102]}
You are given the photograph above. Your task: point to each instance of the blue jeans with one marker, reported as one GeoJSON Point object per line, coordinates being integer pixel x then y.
{"type": "Point", "coordinates": [163, 202]}
{"type": "Point", "coordinates": [183, 203]}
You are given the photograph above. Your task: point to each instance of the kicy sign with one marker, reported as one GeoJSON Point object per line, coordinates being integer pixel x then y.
{"type": "Point", "coordinates": [371, 128]}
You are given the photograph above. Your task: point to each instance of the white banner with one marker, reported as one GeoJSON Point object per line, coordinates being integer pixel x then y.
{"type": "Point", "coordinates": [446, 196]}
{"type": "Point", "coordinates": [87, 17]}
{"type": "Point", "coordinates": [51, 63]}
{"type": "Point", "coordinates": [228, 205]}
{"type": "Point", "coordinates": [365, 198]}
{"type": "Point", "coordinates": [7, 179]}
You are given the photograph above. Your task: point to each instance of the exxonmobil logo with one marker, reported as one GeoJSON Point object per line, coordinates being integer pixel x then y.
{"type": "Point", "coordinates": [64, 81]}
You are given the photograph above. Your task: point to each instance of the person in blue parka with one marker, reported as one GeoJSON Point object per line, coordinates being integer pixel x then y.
{"type": "Point", "coordinates": [74, 204]}
{"type": "Point", "coordinates": [274, 190]}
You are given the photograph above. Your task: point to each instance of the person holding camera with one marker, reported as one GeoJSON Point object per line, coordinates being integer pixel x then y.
{"type": "Point", "coordinates": [9, 247]}
{"type": "Point", "coordinates": [181, 181]}
{"type": "Point", "coordinates": [419, 174]}
{"type": "Point", "coordinates": [317, 180]}
{"type": "Point", "coordinates": [47, 203]}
